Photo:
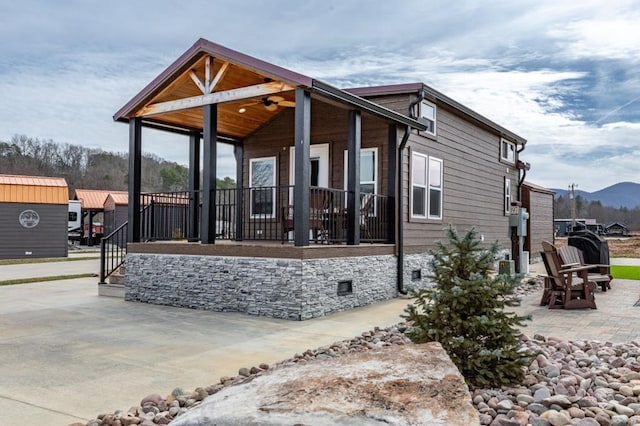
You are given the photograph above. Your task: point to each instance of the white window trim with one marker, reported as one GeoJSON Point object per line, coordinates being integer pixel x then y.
{"type": "Point", "coordinates": [375, 168]}
{"type": "Point", "coordinates": [435, 116]}
{"type": "Point", "coordinates": [428, 187]}
{"type": "Point", "coordinates": [439, 189]}
{"type": "Point", "coordinates": [425, 187]}
{"type": "Point", "coordinates": [507, 196]}
{"type": "Point", "coordinates": [507, 156]}
{"type": "Point", "coordinates": [375, 173]}
{"type": "Point", "coordinates": [273, 206]}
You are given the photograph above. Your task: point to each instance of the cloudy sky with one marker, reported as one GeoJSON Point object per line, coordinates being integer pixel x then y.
{"type": "Point", "coordinates": [564, 75]}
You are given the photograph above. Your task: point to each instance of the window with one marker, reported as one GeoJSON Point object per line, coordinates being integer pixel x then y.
{"type": "Point", "coordinates": [368, 170]}
{"type": "Point", "coordinates": [507, 195]}
{"type": "Point", "coordinates": [426, 186]}
{"type": "Point", "coordinates": [507, 151]}
{"type": "Point", "coordinates": [262, 179]}
{"type": "Point", "coordinates": [428, 116]}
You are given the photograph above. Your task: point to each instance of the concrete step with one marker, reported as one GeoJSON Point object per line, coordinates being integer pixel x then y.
{"type": "Point", "coordinates": [116, 278]}
{"type": "Point", "coordinates": [111, 290]}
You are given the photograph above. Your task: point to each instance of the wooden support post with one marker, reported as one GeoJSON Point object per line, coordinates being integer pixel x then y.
{"type": "Point", "coordinates": [302, 138]}
{"type": "Point", "coordinates": [210, 136]}
{"type": "Point", "coordinates": [392, 183]}
{"type": "Point", "coordinates": [353, 177]}
{"type": "Point", "coordinates": [194, 185]}
{"type": "Point", "coordinates": [135, 173]}
{"type": "Point", "coordinates": [238, 151]}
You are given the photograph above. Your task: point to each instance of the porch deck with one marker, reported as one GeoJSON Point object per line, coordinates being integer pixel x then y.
{"type": "Point", "coordinates": [271, 249]}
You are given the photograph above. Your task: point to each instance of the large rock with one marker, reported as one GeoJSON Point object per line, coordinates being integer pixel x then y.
{"type": "Point", "coordinates": [399, 385]}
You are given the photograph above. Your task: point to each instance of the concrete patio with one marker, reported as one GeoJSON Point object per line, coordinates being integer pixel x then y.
{"type": "Point", "coordinates": [68, 354]}
{"type": "Point", "coordinates": [616, 320]}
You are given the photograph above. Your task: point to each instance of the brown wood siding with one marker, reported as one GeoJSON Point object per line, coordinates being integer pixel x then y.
{"type": "Point", "coordinates": [397, 103]}
{"type": "Point", "coordinates": [540, 228]}
{"type": "Point", "coordinates": [329, 125]}
{"type": "Point", "coordinates": [473, 183]}
{"type": "Point", "coordinates": [47, 239]}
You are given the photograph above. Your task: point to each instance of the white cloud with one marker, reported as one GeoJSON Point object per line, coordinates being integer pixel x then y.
{"type": "Point", "coordinates": [542, 69]}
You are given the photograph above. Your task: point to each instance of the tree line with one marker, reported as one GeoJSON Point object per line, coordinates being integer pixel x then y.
{"type": "Point", "coordinates": [90, 168]}
{"type": "Point", "coordinates": [585, 209]}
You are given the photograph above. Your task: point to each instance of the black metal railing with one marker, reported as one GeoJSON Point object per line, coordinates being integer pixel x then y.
{"type": "Point", "coordinates": [165, 216]}
{"type": "Point", "coordinates": [266, 215]}
{"type": "Point", "coordinates": [113, 249]}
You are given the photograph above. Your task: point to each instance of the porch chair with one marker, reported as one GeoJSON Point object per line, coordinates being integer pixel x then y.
{"type": "Point", "coordinates": [286, 221]}
{"type": "Point", "coordinates": [567, 288]}
{"type": "Point", "coordinates": [366, 210]}
{"type": "Point", "coordinates": [318, 205]}
{"type": "Point", "coordinates": [572, 256]}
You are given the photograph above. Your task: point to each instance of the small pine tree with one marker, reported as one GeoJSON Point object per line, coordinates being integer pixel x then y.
{"type": "Point", "coordinates": [464, 311]}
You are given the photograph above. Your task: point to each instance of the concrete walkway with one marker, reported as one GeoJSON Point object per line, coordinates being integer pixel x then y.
{"type": "Point", "coordinates": [67, 354]}
{"type": "Point", "coordinates": [50, 269]}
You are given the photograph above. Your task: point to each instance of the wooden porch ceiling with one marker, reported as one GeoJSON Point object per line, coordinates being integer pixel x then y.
{"type": "Point", "coordinates": [249, 93]}
{"type": "Point", "coordinates": [234, 88]}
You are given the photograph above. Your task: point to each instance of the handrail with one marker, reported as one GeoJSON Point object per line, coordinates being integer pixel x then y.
{"type": "Point", "coordinates": [113, 249]}
{"type": "Point", "coordinates": [114, 253]}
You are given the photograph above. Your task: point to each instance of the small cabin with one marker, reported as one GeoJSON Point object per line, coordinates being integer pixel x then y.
{"type": "Point", "coordinates": [340, 194]}
{"type": "Point", "coordinates": [33, 217]}
{"type": "Point", "coordinates": [539, 203]}
{"type": "Point", "coordinates": [115, 210]}
{"type": "Point", "coordinates": [616, 229]}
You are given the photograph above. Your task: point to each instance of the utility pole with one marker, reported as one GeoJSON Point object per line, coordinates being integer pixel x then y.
{"type": "Point", "coordinates": [572, 199]}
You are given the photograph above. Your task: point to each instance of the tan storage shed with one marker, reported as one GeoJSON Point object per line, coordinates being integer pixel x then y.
{"type": "Point", "coordinates": [33, 217]}
{"type": "Point", "coordinates": [115, 210]}
{"type": "Point", "coordinates": [539, 203]}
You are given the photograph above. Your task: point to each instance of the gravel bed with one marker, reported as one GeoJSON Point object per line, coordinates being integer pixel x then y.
{"type": "Point", "coordinates": [580, 383]}
{"type": "Point", "coordinates": [158, 410]}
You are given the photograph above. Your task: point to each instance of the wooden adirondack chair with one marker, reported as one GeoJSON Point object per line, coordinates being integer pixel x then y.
{"type": "Point", "coordinates": [568, 288]}
{"type": "Point", "coordinates": [572, 256]}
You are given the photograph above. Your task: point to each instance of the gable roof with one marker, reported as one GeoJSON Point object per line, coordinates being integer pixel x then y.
{"type": "Point", "coordinates": [208, 73]}
{"type": "Point", "coordinates": [92, 199]}
{"type": "Point", "coordinates": [120, 198]}
{"type": "Point", "coordinates": [33, 189]}
{"type": "Point", "coordinates": [537, 188]}
{"type": "Point", "coordinates": [432, 94]}
{"type": "Point", "coordinates": [616, 224]}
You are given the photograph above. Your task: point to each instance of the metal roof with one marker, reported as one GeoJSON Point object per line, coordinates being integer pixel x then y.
{"type": "Point", "coordinates": [120, 198]}
{"type": "Point", "coordinates": [92, 199]}
{"type": "Point", "coordinates": [33, 189]}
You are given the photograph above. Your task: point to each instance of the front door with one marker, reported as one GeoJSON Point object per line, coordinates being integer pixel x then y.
{"type": "Point", "coordinates": [319, 155]}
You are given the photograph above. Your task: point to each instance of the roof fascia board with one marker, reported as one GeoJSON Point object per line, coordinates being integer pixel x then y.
{"type": "Point", "coordinates": [192, 55]}
{"type": "Point", "coordinates": [430, 93]}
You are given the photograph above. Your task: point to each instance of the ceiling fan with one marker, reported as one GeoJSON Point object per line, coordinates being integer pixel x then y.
{"type": "Point", "coordinates": [271, 103]}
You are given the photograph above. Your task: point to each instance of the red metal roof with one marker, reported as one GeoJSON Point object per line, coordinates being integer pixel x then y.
{"type": "Point", "coordinates": [120, 198]}
{"type": "Point", "coordinates": [92, 199]}
{"type": "Point", "coordinates": [32, 180]}
{"type": "Point", "coordinates": [33, 189]}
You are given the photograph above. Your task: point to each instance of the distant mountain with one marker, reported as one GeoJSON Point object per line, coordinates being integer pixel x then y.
{"type": "Point", "coordinates": [623, 194]}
